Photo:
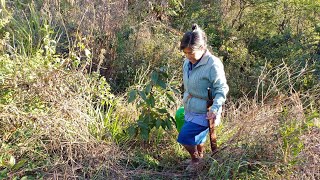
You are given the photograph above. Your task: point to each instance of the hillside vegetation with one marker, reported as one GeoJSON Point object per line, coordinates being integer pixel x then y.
{"type": "Point", "coordinates": [89, 89]}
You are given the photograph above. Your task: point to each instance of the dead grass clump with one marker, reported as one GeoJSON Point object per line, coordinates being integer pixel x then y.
{"type": "Point", "coordinates": [263, 136]}
{"type": "Point", "coordinates": [309, 167]}
{"type": "Point", "coordinates": [85, 160]}
{"type": "Point", "coordinates": [53, 123]}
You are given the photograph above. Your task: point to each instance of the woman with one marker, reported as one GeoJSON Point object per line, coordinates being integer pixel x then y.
{"type": "Point", "coordinates": [201, 70]}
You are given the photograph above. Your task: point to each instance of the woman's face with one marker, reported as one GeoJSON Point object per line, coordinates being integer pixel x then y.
{"type": "Point", "coordinates": [193, 54]}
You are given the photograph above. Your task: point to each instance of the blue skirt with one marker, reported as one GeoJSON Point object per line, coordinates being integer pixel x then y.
{"type": "Point", "coordinates": [192, 134]}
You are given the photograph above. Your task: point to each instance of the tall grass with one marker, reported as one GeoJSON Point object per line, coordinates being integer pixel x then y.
{"type": "Point", "coordinates": [273, 136]}
{"type": "Point", "coordinates": [50, 123]}
{"type": "Point", "coordinates": [52, 120]}
{"type": "Point", "coordinates": [59, 122]}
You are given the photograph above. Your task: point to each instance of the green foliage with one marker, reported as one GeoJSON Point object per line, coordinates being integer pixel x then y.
{"type": "Point", "coordinates": [145, 46]}
{"type": "Point", "coordinates": [208, 16]}
{"type": "Point", "coordinates": [247, 34]}
{"type": "Point", "coordinates": [291, 131]}
{"type": "Point", "coordinates": [108, 123]}
{"type": "Point", "coordinates": [12, 162]}
{"type": "Point", "coordinates": [144, 160]}
{"type": "Point", "coordinates": [312, 120]}
{"type": "Point", "coordinates": [54, 115]}
{"type": "Point", "coordinates": [31, 32]}
{"type": "Point", "coordinates": [152, 106]}
{"type": "Point", "coordinates": [29, 67]}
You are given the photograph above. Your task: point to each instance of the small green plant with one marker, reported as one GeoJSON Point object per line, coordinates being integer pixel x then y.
{"type": "Point", "coordinates": [312, 120]}
{"type": "Point", "coordinates": [156, 96]}
{"type": "Point", "coordinates": [290, 132]}
{"type": "Point", "coordinates": [15, 154]}
{"type": "Point", "coordinates": [107, 123]}
{"type": "Point", "coordinates": [9, 163]}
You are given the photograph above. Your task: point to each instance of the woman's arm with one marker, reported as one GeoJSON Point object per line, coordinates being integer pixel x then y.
{"type": "Point", "coordinates": [219, 84]}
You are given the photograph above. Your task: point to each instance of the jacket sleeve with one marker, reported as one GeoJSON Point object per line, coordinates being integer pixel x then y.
{"type": "Point", "coordinates": [219, 84]}
{"type": "Point", "coordinates": [184, 67]}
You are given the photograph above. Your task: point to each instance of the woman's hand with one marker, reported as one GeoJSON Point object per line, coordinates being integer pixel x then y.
{"type": "Point", "coordinates": [211, 115]}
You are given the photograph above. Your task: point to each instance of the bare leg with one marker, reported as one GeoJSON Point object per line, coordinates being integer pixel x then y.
{"type": "Point", "coordinates": [193, 153]}
{"type": "Point", "coordinates": [200, 149]}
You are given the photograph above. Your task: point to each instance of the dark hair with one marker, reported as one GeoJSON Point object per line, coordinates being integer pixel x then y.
{"type": "Point", "coordinates": [194, 39]}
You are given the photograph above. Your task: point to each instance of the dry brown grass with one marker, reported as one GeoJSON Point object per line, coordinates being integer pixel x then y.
{"type": "Point", "coordinates": [59, 110]}
{"type": "Point", "coordinates": [252, 136]}
{"type": "Point", "coordinates": [272, 133]}
{"type": "Point", "coordinates": [309, 168]}
{"type": "Point", "coordinates": [269, 137]}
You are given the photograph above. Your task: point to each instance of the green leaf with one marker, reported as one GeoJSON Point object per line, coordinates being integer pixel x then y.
{"type": "Point", "coordinates": [148, 118]}
{"type": "Point", "coordinates": [142, 125]}
{"type": "Point", "coordinates": [162, 111]}
{"type": "Point", "coordinates": [175, 90]}
{"type": "Point", "coordinates": [132, 96]}
{"type": "Point", "coordinates": [132, 131]}
{"type": "Point", "coordinates": [154, 77]}
{"type": "Point", "coordinates": [24, 178]}
{"type": "Point", "coordinates": [4, 174]}
{"type": "Point", "coordinates": [163, 124]}
{"type": "Point", "coordinates": [158, 123]}
{"type": "Point", "coordinates": [140, 104]}
{"type": "Point", "coordinates": [144, 134]}
{"type": "Point", "coordinates": [162, 84]}
{"type": "Point", "coordinates": [152, 101]}
{"type": "Point", "coordinates": [143, 95]}
{"type": "Point", "coordinates": [170, 97]}
{"type": "Point", "coordinates": [169, 124]}
{"type": "Point", "coordinates": [148, 88]}
{"type": "Point", "coordinates": [19, 164]}
{"type": "Point", "coordinates": [165, 75]}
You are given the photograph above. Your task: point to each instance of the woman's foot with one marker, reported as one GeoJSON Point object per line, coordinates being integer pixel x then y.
{"type": "Point", "coordinates": [195, 166]}
{"type": "Point", "coordinates": [201, 155]}
{"type": "Point", "coordinates": [200, 149]}
{"type": "Point", "coordinates": [188, 161]}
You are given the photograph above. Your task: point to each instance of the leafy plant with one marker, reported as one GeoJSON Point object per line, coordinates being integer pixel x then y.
{"type": "Point", "coordinates": [154, 98]}
{"type": "Point", "coordinates": [31, 31]}
{"type": "Point", "coordinates": [291, 144]}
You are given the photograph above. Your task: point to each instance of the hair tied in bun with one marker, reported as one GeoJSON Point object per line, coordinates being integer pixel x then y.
{"type": "Point", "coordinates": [195, 39]}
{"type": "Point", "coordinates": [195, 27]}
